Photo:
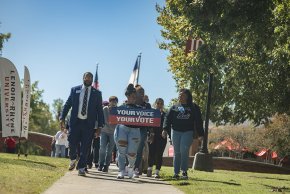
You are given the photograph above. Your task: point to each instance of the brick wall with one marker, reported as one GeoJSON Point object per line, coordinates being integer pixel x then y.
{"type": "Point", "coordinates": [237, 165]}
{"type": "Point", "coordinates": [43, 140]}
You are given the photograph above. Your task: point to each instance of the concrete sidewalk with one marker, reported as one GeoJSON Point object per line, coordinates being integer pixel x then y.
{"type": "Point", "coordinates": [100, 182]}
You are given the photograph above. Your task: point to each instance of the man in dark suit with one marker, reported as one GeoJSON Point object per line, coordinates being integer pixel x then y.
{"type": "Point", "coordinates": [86, 118]}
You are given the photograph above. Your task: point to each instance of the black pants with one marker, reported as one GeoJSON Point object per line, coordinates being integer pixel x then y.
{"type": "Point", "coordinates": [81, 135]}
{"type": "Point", "coordinates": [93, 156]}
{"type": "Point", "coordinates": [156, 150]}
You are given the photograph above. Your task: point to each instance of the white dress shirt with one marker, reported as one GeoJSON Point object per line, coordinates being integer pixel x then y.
{"type": "Point", "coordinates": [82, 94]}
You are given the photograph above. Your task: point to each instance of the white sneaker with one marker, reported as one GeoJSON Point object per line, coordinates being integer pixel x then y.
{"type": "Point", "coordinates": [121, 175]}
{"type": "Point", "coordinates": [136, 173]}
{"type": "Point", "coordinates": [130, 172]}
{"type": "Point", "coordinates": [126, 171]}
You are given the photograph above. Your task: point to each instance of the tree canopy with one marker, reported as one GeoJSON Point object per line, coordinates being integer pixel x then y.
{"type": "Point", "coordinates": [246, 47]}
{"type": "Point", "coordinates": [41, 119]}
{"type": "Point", "coordinates": [3, 38]}
{"type": "Point", "coordinates": [57, 107]}
{"type": "Point", "coordinates": [274, 136]}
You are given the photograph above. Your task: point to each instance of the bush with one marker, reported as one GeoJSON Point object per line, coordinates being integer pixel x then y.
{"type": "Point", "coordinates": [30, 148]}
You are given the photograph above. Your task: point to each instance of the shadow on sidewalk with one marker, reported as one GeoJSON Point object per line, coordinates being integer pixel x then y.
{"type": "Point", "coordinates": [111, 176]}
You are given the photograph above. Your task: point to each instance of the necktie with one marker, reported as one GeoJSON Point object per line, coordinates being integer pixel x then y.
{"type": "Point", "coordinates": [84, 106]}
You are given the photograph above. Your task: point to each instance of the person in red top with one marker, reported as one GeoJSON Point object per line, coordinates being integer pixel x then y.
{"type": "Point", "coordinates": [10, 145]}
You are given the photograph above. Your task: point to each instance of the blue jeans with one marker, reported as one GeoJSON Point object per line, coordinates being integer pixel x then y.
{"type": "Point", "coordinates": [127, 141]}
{"type": "Point", "coordinates": [181, 143]}
{"type": "Point", "coordinates": [106, 148]}
{"type": "Point", "coordinates": [143, 135]}
{"type": "Point", "coordinates": [59, 149]}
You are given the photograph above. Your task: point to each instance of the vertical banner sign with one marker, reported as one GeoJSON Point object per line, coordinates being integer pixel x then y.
{"type": "Point", "coordinates": [10, 99]}
{"type": "Point", "coordinates": [26, 103]}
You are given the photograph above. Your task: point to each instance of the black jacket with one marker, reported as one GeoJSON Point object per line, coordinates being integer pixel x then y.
{"type": "Point", "coordinates": [183, 118]}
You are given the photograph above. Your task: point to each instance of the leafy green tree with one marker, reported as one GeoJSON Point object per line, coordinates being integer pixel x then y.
{"type": "Point", "coordinates": [274, 136]}
{"type": "Point", "coordinates": [277, 134]}
{"type": "Point", "coordinates": [57, 107]}
{"type": "Point", "coordinates": [41, 119]}
{"type": "Point", "coordinates": [238, 134]}
{"type": "Point", "coordinates": [3, 38]}
{"type": "Point", "coordinates": [246, 47]}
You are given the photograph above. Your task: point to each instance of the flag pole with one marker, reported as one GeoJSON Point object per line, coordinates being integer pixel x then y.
{"type": "Point", "coordinates": [139, 63]}
{"type": "Point", "coordinates": [19, 142]}
{"type": "Point", "coordinates": [97, 72]}
{"type": "Point", "coordinates": [19, 138]}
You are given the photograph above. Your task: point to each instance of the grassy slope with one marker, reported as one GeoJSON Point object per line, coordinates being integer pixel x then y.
{"type": "Point", "coordinates": [221, 181]}
{"type": "Point", "coordinates": [31, 175]}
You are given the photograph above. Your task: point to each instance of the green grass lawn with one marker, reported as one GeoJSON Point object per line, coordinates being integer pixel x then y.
{"type": "Point", "coordinates": [33, 174]}
{"type": "Point", "coordinates": [224, 182]}
{"type": "Point", "coordinates": [36, 173]}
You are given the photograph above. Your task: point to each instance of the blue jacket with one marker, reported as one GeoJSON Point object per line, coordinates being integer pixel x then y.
{"type": "Point", "coordinates": [95, 109]}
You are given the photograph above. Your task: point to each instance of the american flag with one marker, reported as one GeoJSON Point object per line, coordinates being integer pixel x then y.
{"type": "Point", "coordinates": [96, 80]}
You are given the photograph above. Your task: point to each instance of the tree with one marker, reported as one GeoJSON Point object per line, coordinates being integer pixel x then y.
{"type": "Point", "coordinates": [57, 107]}
{"type": "Point", "coordinates": [3, 38]}
{"type": "Point", "coordinates": [238, 135]}
{"type": "Point", "coordinates": [277, 134]}
{"type": "Point", "coordinates": [41, 119]}
{"type": "Point", "coordinates": [246, 47]}
{"type": "Point", "coordinates": [274, 136]}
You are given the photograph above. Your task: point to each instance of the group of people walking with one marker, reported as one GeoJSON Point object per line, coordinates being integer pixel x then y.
{"type": "Point", "coordinates": [89, 119]}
